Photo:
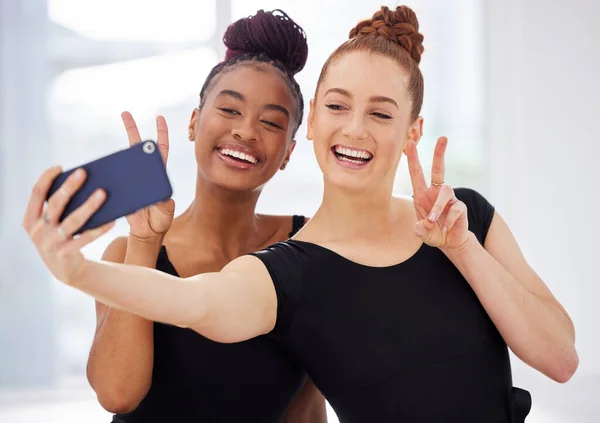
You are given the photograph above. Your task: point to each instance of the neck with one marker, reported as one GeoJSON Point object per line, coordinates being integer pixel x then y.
{"type": "Point", "coordinates": [223, 220]}
{"type": "Point", "coordinates": [355, 214]}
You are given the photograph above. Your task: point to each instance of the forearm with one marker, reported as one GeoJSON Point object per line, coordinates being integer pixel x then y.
{"type": "Point", "coordinates": [148, 293]}
{"type": "Point", "coordinates": [138, 253]}
{"type": "Point", "coordinates": [535, 329]}
{"type": "Point", "coordinates": [121, 358]}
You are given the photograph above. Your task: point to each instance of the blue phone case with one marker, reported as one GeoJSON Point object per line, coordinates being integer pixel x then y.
{"type": "Point", "coordinates": [133, 179]}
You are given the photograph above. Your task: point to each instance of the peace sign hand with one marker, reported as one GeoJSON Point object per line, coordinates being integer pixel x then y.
{"type": "Point", "coordinates": [442, 218]}
{"type": "Point", "coordinates": [153, 222]}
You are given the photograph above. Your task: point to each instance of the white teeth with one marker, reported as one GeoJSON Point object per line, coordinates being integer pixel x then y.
{"type": "Point", "coordinates": [346, 159]}
{"type": "Point", "coordinates": [353, 153]}
{"type": "Point", "coordinates": [249, 158]}
{"type": "Point", "coordinates": [239, 155]}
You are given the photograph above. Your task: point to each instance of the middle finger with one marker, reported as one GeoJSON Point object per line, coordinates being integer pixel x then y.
{"type": "Point", "coordinates": [438, 168]}
{"type": "Point", "coordinates": [59, 200]}
{"type": "Point", "coordinates": [132, 130]}
{"type": "Point", "coordinates": [82, 214]}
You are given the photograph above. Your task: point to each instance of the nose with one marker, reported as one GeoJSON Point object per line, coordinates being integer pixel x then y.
{"type": "Point", "coordinates": [356, 128]}
{"type": "Point", "coordinates": [245, 131]}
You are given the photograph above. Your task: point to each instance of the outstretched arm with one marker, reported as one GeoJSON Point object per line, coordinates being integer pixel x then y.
{"type": "Point", "coordinates": [232, 305]}
{"type": "Point", "coordinates": [235, 304]}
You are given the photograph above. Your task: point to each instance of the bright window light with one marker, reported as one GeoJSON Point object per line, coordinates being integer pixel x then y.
{"type": "Point", "coordinates": [137, 20]}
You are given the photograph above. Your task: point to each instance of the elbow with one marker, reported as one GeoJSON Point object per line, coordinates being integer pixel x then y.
{"type": "Point", "coordinates": [565, 368]}
{"type": "Point", "coordinates": [113, 402]}
{"type": "Point", "coordinates": [115, 398]}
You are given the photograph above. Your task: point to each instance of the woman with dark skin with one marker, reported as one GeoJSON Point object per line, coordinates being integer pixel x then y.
{"type": "Point", "coordinates": [250, 109]}
{"type": "Point", "coordinates": [399, 309]}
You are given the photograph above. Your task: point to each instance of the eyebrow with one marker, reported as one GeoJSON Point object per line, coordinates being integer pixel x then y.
{"type": "Point", "coordinates": [374, 99]}
{"type": "Point", "coordinates": [233, 94]}
{"type": "Point", "coordinates": [278, 108]}
{"type": "Point", "coordinates": [240, 96]}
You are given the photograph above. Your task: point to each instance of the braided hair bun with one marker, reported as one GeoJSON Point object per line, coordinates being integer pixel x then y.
{"type": "Point", "coordinates": [272, 33]}
{"type": "Point", "coordinates": [400, 26]}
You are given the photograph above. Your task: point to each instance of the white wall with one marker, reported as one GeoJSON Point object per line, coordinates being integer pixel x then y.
{"type": "Point", "coordinates": [543, 104]}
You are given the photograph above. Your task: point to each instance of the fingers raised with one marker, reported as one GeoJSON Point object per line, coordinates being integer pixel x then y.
{"type": "Point", "coordinates": [415, 169]}
{"type": "Point", "coordinates": [162, 139]}
{"type": "Point", "coordinates": [438, 168]}
{"type": "Point", "coordinates": [132, 130]}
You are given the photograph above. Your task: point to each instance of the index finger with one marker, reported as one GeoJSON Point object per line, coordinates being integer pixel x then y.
{"type": "Point", "coordinates": [130, 126]}
{"type": "Point", "coordinates": [438, 168]}
{"type": "Point", "coordinates": [162, 138]}
{"type": "Point", "coordinates": [38, 196]}
{"type": "Point", "coordinates": [415, 169]}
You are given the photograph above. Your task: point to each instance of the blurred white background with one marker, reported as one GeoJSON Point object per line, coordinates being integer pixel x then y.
{"type": "Point", "coordinates": [512, 83]}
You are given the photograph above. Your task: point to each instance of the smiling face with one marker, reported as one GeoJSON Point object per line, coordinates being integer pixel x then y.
{"type": "Point", "coordinates": [243, 133]}
{"type": "Point", "coordinates": [360, 121]}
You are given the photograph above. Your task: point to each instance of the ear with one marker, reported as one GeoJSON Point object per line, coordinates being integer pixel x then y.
{"type": "Point", "coordinates": [415, 131]}
{"type": "Point", "coordinates": [192, 125]}
{"type": "Point", "coordinates": [288, 155]}
{"type": "Point", "coordinates": [309, 122]}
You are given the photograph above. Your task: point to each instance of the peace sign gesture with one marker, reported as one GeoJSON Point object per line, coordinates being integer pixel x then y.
{"type": "Point", "coordinates": [442, 218]}
{"type": "Point", "coordinates": [154, 221]}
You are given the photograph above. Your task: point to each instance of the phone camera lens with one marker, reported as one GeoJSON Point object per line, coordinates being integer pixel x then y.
{"type": "Point", "coordinates": [149, 147]}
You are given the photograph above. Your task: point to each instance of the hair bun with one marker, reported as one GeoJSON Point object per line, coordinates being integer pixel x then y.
{"type": "Point", "coordinates": [400, 26]}
{"type": "Point", "coordinates": [272, 33]}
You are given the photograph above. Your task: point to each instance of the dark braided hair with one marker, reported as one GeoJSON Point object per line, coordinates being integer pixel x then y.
{"type": "Point", "coordinates": [271, 38]}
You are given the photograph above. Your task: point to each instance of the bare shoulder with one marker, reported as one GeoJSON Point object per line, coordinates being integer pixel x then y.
{"type": "Point", "coordinates": [247, 265]}
{"type": "Point", "coordinates": [116, 250]}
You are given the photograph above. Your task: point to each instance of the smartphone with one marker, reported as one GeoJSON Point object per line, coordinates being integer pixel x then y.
{"type": "Point", "coordinates": [133, 179]}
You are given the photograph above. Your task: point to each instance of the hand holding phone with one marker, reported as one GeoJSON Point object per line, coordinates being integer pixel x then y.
{"type": "Point", "coordinates": [87, 200]}
{"type": "Point", "coordinates": [132, 179]}
{"type": "Point", "coordinates": [153, 222]}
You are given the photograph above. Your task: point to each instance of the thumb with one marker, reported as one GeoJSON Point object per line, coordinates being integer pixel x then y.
{"type": "Point", "coordinates": [420, 230]}
{"type": "Point", "coordinates": [424, 229]}
{"type": "Point", "coordinates": [168, 207]}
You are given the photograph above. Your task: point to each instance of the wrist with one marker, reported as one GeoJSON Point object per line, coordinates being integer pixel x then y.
{"type": "Point", "coordinates": [77, 276]}
{"type": "Point", "coordinates": [144, 245]}
{"type": "Point", "coordinates": [463, 249]}
{"type": "Point", "coordinates": [153, 240]}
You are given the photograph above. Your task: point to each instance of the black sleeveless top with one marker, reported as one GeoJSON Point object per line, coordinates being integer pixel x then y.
{"type": "Point", "coordinates": [198, 380]}
{"type": "Point", "coordinates": [404, 343]}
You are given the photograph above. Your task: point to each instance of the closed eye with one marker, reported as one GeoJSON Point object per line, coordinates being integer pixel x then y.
{"type": "Point", "coordinates": [381, 116]}
{"type": "Point", "coordinates": [267, 122]}
{"type": "Point", "coordinates": [229, 111]}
